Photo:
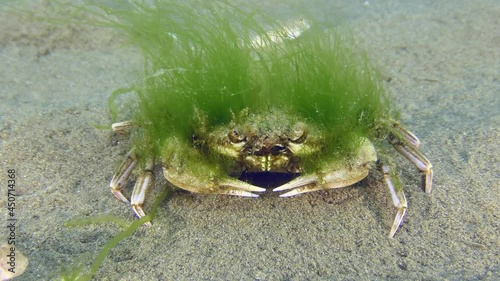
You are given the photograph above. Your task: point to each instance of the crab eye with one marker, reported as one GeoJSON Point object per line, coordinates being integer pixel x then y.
{"type": "Point", "coordinates": [298, 134]}
{"type": "Point", "coordinates": [277, 148]}
{"type": "Point", "coordinates": [235, 137]}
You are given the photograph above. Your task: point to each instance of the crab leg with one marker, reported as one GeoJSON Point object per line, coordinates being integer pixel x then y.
{"type": "Point", "coordinates": [406, 143]}
{"type": "Point", "coordinates": [143, 182]}
{"type": "Point", "coordinates": [122, 175]}
{"type": "Point", "coordinates": [398, 200]}
{"type": "Point", "coordinates": [409, 136]}
{"type": "Point", "coordinates": [418, 159]}
{"type": "Point", "coordinates": [122, 126]}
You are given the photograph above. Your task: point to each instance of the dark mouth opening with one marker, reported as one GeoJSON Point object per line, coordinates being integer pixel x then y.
{"type": "Point", "coordinates": [267, 179]}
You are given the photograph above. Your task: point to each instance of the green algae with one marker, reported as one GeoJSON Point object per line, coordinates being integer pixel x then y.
{"type": "Point", "coordinates": [206, 59]}
{"type": "Point", "coordinates": [128, 230]}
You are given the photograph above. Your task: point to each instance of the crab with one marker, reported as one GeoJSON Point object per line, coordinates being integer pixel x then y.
{"type": "Point", "coordinates": [264, 143]}
{"type": "Point", "coordinates": [223, 97]}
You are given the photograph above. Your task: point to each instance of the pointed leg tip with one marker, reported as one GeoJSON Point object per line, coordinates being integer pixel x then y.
{"type": "Point", "coordinates": [398, 221]}
{"type": "Point", "coordinates": [428, 182]}
{"type": "Point", "coordinates": [119, 195]}
{"type": "Point", "coordinates": [393, 231]}
{"type": "Point", "coordinates": [138, 211]}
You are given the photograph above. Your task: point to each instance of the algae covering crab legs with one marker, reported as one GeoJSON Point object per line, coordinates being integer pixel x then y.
{"type": "Point", "coordinates": [230, 90]}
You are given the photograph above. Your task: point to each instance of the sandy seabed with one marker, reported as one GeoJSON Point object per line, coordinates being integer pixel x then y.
{"type": "Point", "coordinates": [442, 64]}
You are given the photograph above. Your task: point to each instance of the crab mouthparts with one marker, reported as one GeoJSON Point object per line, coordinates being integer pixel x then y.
{"type": "Point", "coordinates": [270, 150]}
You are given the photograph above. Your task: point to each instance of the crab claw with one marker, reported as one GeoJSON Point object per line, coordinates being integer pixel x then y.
{"type": "Point", "coordinates": [239, 188]}
{"type": "Point", "coordinates": [299, 185]}
{"type": "Point", "coordinates": [210, 185]}
{"type": "Point", "coordinates": [334, 175]}
{"type": "Point", "coordinates": [335, 179]}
